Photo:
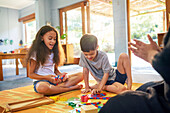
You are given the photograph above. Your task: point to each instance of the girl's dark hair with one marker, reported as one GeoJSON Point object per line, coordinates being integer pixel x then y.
{"type": "Point", "coordinates": [41, 51]}
{"type": "Point", "coordinates": [88, 42]}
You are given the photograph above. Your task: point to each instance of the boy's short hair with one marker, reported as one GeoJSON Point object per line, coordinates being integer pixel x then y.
{"type": "Point", "coordinates": [88, 42]}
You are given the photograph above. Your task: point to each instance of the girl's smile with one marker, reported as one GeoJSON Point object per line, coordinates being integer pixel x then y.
{"type": "Point", "coordinates": [49, 39]}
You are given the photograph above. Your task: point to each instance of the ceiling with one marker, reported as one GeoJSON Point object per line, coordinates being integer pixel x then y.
{"type": "Point", "coordinates": [16, 4]}
{"type": "Point", "coordinates": [103, 7]}
{"type": "Point", "coordinates": [137, 7]}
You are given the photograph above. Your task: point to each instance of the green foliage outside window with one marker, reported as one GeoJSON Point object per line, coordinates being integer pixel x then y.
{"type": "Point", "coordinates": [146, 24]}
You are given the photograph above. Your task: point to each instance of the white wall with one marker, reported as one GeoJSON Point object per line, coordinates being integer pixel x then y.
{"type": "Point", "coordinates": [27, 11]}
{"type": "Point", "coordinates": [46, 11]}
{"type": "Point", "coordinates": [10, 28]}
{"type": "Point", "coordinates": [42, 13]}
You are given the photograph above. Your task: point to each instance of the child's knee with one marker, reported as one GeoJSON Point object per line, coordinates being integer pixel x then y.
{"type": "Point", "coordinates": [124, 56]}
{"type": "Point", "coordinates": [122, 88]}
{"type": "Point", "coordinates": [80, 76]}
{"type": "Point", "coordinates": [42, 89]}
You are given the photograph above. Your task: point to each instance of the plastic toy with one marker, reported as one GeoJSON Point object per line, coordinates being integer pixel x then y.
{"type": "Point", "coordinates": [98, 95]}
{"type": "Point", "coordinates": [93, 103]}
{"type": "Point", "coordinates": [78, 111]}
{"type": "Point", "coordinates": [84, 98]}
{"type": "Point", "coordinates": [72, 104]}
{"type": "Point", "coordinates": [63, 99]}
{"type": "Point", "coordinates": [98, 106]}
{"type": "Point", "coordinates": [55, 98]}
{"type": "Point", "coordinates": [62, 77]}
{"type": "Point", "coordinates": [104, 98]}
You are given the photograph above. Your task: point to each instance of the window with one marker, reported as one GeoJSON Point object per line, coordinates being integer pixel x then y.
{"type": "Point", "coordinates": [30, 32]}
{"type": "Point", "coordinates": [29, 25]}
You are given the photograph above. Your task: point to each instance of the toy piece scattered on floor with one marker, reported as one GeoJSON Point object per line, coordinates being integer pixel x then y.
{"type": "Point", "coordinates": [63, 99]}
{"type": "Point", "coordinates": [93, 103]}
{"type": "Point", "coordinates": [84, 98]}
{"type": "Point", "coordinates": [89, 109]}
{"type": "Point", "coordinates": [98, 95]}
{"type": "Point", "coordinates": [72, 104]}
{"type": "Point", "coordinates": [98, 106]}
{"type": "Point", "coordinates": [55, 98]}
{"type": "Point", "coordinates": [78, 111]}
{"type": "Point", "coordinates": [104, 98]}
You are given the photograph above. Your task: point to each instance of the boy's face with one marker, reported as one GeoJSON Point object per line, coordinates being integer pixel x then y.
{"type": "Point", "coordinates": [90, 55]}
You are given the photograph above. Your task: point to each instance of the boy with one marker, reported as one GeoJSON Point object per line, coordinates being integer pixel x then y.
{"type": "Point", "coordinates": [97, 63]}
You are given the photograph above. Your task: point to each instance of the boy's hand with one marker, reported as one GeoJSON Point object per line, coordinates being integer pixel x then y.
{"type": "Point", "coordinates": [96, 91]}
{"type": "Point", "coordinates": [86, 90]}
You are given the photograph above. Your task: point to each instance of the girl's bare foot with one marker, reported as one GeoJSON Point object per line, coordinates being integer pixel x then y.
{"type": "Point", "coordinates": [77, 86]}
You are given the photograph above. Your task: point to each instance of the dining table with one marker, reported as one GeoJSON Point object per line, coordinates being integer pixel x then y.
{"type": "Point", "coordinates": [15, 56]}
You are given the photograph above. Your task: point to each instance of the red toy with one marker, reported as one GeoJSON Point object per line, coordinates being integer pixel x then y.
{"type": "Point", "coordinates": [93, 103]}
{"type": "Point", "coordinates": [84, 98]}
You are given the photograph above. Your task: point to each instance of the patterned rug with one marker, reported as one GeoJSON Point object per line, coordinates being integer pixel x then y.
{"type": "Point", "coordinates": [60, 106]}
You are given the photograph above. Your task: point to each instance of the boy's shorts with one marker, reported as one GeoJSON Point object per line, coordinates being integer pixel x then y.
{"type": "Point", "coordinates": [121, 78]}
{"type": "Point", "coordinates": [35, 83]}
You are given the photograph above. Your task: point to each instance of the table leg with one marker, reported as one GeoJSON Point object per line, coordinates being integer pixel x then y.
{"type": "Point", "coordinates": [1, 70]}
{"type": "Point", "coordinates": [17, 70]}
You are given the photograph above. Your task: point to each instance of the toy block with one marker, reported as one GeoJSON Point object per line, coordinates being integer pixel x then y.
{"type": "Point", "coordinates": [26, 104]}
{"type": "Point", "coordinates": [89, 109]}
{"type": "Point", "coordinates": [93, 103]}
{"type": "Point", "coordinates": [84, 98]}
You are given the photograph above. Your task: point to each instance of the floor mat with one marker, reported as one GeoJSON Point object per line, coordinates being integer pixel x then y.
{"type": "Point", "coordinates": [25, 93]}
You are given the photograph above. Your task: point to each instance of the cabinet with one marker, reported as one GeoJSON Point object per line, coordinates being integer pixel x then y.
{"type": "Point", "coordinates": [69, 53]}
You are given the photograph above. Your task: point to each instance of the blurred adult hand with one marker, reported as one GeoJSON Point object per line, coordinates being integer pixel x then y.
{"type": "Point", "coordinates": [143, 50]}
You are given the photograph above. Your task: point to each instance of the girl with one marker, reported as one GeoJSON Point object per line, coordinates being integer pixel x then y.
{"type": "Point", "coordinates": [44, 56]}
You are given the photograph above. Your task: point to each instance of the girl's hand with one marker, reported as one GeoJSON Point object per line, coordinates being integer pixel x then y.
{"type": "Point", "coordinates": [86, 90]}
{"type": "Point", "coordinates": [64, 76]}
{"type": "Point", "coordinates": [51, 78]}
{"type": "Point", "coordinates": [57, 79]}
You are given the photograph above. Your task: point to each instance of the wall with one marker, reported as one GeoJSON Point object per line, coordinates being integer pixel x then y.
{"type": "Point", "coordinates": [27, 11]}
{"type": "Point", "coordinates": [42, 13]}
{"type": "Point", "coordinates": [10, 28]}
{"type": "Point", "coordinates": [46, 11]}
